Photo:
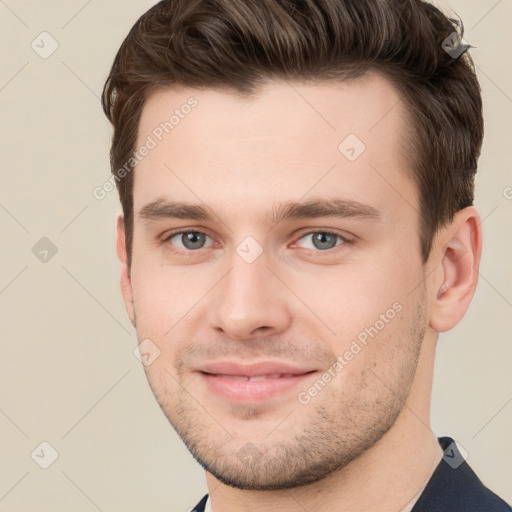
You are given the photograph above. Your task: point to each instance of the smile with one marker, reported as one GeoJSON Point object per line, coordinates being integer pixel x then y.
{"type": "Point", "coordinates": [256, 377]}
{"type": "Point", "coordinates": [256, 382]}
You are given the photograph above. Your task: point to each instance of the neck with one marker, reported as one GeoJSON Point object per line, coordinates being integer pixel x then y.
{"type": "Point", "coordinates": [387, 477]}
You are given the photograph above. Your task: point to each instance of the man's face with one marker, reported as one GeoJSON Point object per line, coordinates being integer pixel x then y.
{"type": "Point", "coordinates": [275, 292]}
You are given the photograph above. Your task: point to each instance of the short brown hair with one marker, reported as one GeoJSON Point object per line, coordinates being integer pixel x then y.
{"type": "Point", "coordinates": [237, 45]}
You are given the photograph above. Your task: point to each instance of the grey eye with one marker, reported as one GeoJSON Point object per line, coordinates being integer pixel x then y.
{"type": "Point", "coordinates": [322, 240]}
{"type": "Point", "coordinates": [190, 240]}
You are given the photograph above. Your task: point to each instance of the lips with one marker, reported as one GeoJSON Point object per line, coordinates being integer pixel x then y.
{"type": "Point", "coordinates": [264, 368]}
{"type": "Point", "coordinates": [252, 382]}
{"type": "Point", "coordinates": [255, 377]}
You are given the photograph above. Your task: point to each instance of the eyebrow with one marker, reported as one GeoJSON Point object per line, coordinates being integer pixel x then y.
{"type": "Point", "coordinates": [290, 210]}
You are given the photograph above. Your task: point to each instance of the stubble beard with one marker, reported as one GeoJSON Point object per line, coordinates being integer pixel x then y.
{"type": "Point", "coordinates": [330, 433]}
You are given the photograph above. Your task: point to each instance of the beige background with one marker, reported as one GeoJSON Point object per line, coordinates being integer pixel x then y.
{"type": "Point", "coordinates": [68, 374]}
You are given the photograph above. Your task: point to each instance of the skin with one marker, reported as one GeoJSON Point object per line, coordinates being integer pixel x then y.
{"type": "Point", "coordinates": [364, 441]}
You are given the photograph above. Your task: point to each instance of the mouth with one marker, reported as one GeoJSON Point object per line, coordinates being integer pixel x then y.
{"type": "Point", "coordinates": [255, 382]}
{"type": "Point", "coordinates": [256, 377]}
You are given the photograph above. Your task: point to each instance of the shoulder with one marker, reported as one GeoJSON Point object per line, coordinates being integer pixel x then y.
{"type": "Point", "coordinates": [455, 487]}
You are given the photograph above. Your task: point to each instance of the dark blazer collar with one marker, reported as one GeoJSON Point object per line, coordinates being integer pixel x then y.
{"type": "Point", "coordinates": [454, 487]}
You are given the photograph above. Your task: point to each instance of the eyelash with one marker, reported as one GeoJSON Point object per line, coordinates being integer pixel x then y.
{"type": "Point", "coordinates": [344, 241]}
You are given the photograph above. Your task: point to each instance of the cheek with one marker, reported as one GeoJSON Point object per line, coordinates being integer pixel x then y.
{"type": "Point", "coordinates": [371, 312]}
{"type": "Point", "coordinates": [375, 365]}
{"type": "Point", "coordinates": [152, 300]}
{"type": "Point", "coordinates": [164, 294]}
{"type": "Point", "coordinates": [350, 298]}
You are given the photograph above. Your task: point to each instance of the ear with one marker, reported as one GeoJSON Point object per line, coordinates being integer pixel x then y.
{"type": "Point", "coordinates": [126, 282]}
{"type": "Point", "coordinates": [457, 250]}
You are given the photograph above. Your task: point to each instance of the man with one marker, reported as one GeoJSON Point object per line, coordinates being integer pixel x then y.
{"type": "Point", "coordinates": [297, 186]}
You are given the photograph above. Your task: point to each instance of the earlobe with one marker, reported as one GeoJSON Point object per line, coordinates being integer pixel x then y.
{"type": "Point", "coordinates": [459, 260]}
{"type": "Point", "coordinates": [126, 284]}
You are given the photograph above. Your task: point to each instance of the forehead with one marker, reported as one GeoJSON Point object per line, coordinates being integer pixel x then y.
{"type": "Point", "coordinates": [289, 138]}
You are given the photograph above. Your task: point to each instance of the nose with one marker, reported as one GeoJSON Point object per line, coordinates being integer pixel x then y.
{"type": "Point", "coordinates": [249, 302]}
